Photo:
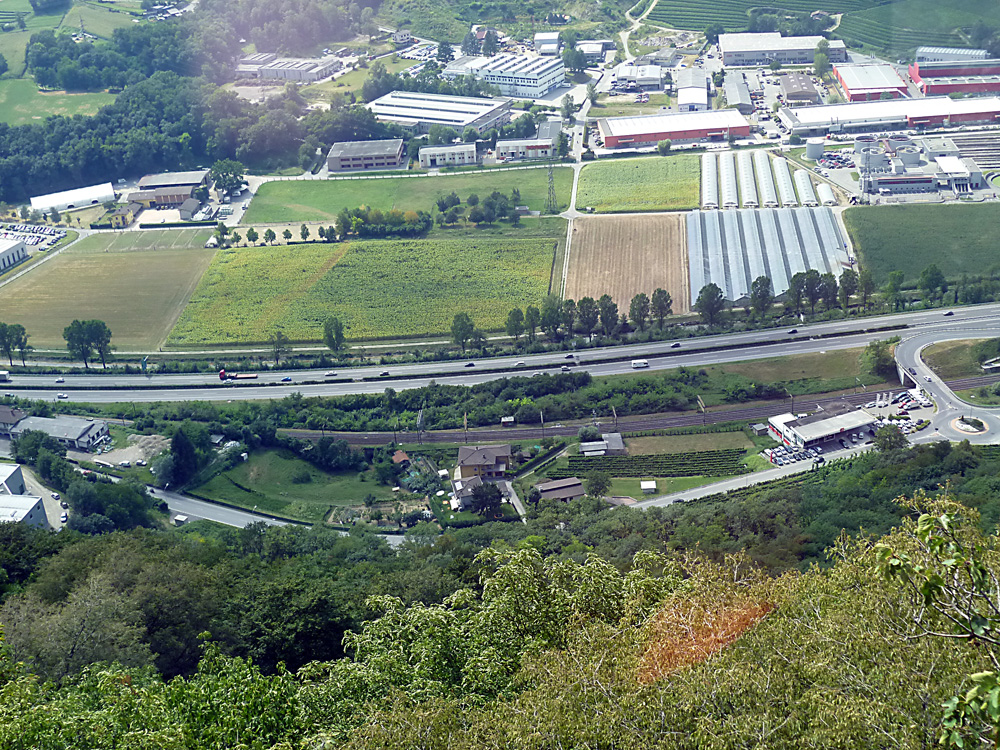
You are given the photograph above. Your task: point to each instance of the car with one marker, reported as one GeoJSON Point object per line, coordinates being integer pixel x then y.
{"type": "Point", "coordinates": [63, 504]}
{"type": "Point", "coordinates": [54, 495]}
{"type": "Point", "coordinates": [564, 368]}
{"type": "Point", "coordinates": [569, 356]}
{"type": "Point", "coordinates": [913, 371]}
{"type": "Point", "coordinates": [383, 374]}
{"type": "Point", "coordinates": [794, 330]}
{"type": "Point", "coordinates": [60, 380]}
{"type": "Point", "coordinates": [949, 313]}
{"type": "Point", "coordinates": [470, 364]}
{"type": "Point", "coordinates": [125, 464]}
{"type": "Point", "coordinates": [329, 374]}
{"type": "Point", "coordinates": [64, 517]}
{"type": "Point", "coordinates": [927, 378]}
{"type": "Point", "coordinates": [286, 379]}
{"type": "Point", "coordinates": [61, 395]}
{"type": "Point", "coordinates": [676, 345]}
{"type": "Point", "coordinates": [871, 405]}
{"type": "Point", "coordinates": [519, 364]}
{"type": "Point", "coordinates": [140, 462]}
{"type": "Point", "coordinates": [819, 449]}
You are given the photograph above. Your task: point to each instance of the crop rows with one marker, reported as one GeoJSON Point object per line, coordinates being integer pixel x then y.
{"type": "Point", "coordinates": [701, 463]}
{"type": "Point", "coordinates": [856, 29]}
{"type": "Point", "coordinates": [683, 14]}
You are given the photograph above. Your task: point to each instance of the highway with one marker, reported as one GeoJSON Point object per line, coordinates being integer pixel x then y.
{"type": "Point", "coordinates": [113, 387]}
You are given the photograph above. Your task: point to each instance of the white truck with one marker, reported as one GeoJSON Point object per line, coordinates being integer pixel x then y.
{"type": "Point", "coordinates": [639, 364]}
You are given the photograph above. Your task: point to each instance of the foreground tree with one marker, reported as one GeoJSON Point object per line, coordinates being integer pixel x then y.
{"type": "Point", "coordinates": [761, 295]}
{"type": "Point", "coordinates": [638, 311]}
{"type": "Point", "coordinates": [227, 174]}
{"type": "Point", "coordinates": [487, 499]}
{"type": "Point", "coordinates": [6, 342]}
{"type": "Point", "coordinates": [588, 315]}
{"type": "Point", "coordinates": [462, 328]}
{"type": "Point", "coordinates": [866, 286]}
{"type": "Point", "coordinates": [333, 334]}
{"type": "Point", "coordinates": [710, 304]}
{"type": "Point", "coordinates": [279, 344]}
{"type": "Point", "coordinates": [889, 438]}
{"type": "Point", "coordinates": [532, 319]}
{"type": "Point", "coordinates": [662, 305]}
{"type": "Point", "coordinates": [607, 311]}
{"type": "Point", "coordinates": [515, 323]}
{"type": "Point", "coordinates": [85, 337]}
{"type": "Point", "coordinates": [597, 483]}
{"type": "Point", "coordinates": [848, 287]}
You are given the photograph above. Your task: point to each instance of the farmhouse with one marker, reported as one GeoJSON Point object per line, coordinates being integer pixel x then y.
{"type": "Point", "coordinates": [949, 54]}
{"type": "Point", "coordinates": [764, 48]}
{"type": "Point", "coordinates": [12, 480]}
{"type": "Point", "coordinates": [831, 423]}
{"type": "Point", "coordinates": [193, 179]}
{"type": "Point", "coordinates": [163, 197]}
{"type": "Point", "coordinates": [123, 216]}
{"type": "Point", "coordinates": [525, 148]}
{"type": "Point", "coordinates": [513, 75]}
{"type": "Point", "coordinates": [864, 82]}
{"type": "Point", "coordinates": [417, 112]}
{"type": "Point", "coordinates": [26, 509]}
{"type": "Point", "coordinates": [647, 130]}
{"type": "Point", "coordinates": [448, 156]}
{"type": "Point", "coordinates": [485, 461]}
{"type": "Point", "coordinates": [562, 489]}
{"type": "Point", "coordinates": [962, 77]}
{"type": "Point", "coordinates": [895, 114]}
{"type": "Point", "coordinates": [355, 155]}
{"type": "Point", "coordinates": [12, 252]}
{"type": "Point", "coordinates": [93, 195]}
{"type": "Point", "coordinates": [73, 432]}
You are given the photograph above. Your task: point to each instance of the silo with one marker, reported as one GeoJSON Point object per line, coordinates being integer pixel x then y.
{"type": "Point", "coordinates": [825, 194]}
{"type": "Point", "coordinates": [807, 196]}
{"type": "Point", "coordinates": [709, 181]}
{"type": "Point", "coordinates": [786, 190]}
{"type": "Point", "coordinates": [873, 158]}
{"type": "Point", "coordinates": [727, 180]}
{"type": "Point", "coordinates": [864, 141]}
{"type": "Point", "coordinates": [814, 148]}
{"type": "Point", "coordinates": [762, 164]}
{"type": "Point", "coordinates": [896, 142]}
{"type": "Point", "coordinates": [909, 155]}
{"type": "Point", "coordinates": [748, 185]}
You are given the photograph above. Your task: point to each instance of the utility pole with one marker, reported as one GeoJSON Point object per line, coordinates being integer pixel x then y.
{"type": "Point", "coordinates": [551, 204]}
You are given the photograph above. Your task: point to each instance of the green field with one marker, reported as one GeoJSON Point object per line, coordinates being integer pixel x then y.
{"type": "Point", "coordinates": [906, 24]}
{"type": "Point", "coordinates": [709, 441]}
{"type": "Point", "coordinates": [379, 289]}
{"type": "Point", "coordinates": [658, 183]}
{"type": "Point", "coordinates": [137, 282]}
{"type": "Point", "coordinates": [685, 14]}
{"type": "Point", "coordinates": [353, 80]}
{"type": "Point", "coordinates": [301, 200]}
{"type": "Point", "coordinates": [960, 239]}
{"type": "Point", "coordinates": [664, 486]}
{"type": "Point", "coordinates": [97, 20]}
{"type": "Point", "coordinates": [21, 102]}
{"type": "Point", "coordinates": [955, 359]}
{"type": "Point", "coordinates": [265, 482]}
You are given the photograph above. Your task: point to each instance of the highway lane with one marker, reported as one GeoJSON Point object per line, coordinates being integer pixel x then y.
{"type": "Point", "coordinates": [458, 368]}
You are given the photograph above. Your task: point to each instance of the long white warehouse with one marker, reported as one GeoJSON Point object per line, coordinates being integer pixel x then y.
{"type": "Point", "coordinates": [765, 181]}
{"type": "Point", "coordinates": [825, 194]}
{"type": "Point", "coordinates": [748, 185]}
{"type": "Point", "coordinates": [709, 181]}
{"type": "Point", "coordinates": [786, 190]}
{"type": "Point", "coordinates": [727, 180]}
{"type": "Point", "coordinates": [807, 196]}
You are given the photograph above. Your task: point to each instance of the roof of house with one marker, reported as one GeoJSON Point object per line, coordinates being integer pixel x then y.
{"type": "Point", "coordinates": [7, 471]}
{"type": "Point", "coordinates": [67, 428]}
{"type": "Point", "coordinates": [464, 487]}
{"type": "Point", "coordinates": [614, 441]}
{"type": "Point", "coordinates": [482, 455]}
{"type": "Point", "coordinates": [10, 415]}
{"type": "Point", "coordinates": [14, 508]}
{"type": "Point", "coordinates": [561, 489]}
{"type": "Point", "coordinates": [399, 457]}
{"type": "Point", "coordinates": [389, 147]}
{"type": "Point", "coordinates": [171, 179]}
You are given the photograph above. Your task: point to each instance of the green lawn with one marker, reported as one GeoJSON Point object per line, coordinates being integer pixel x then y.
{"type": "Point", "coordinates": [955, 359]}
{"type": "Point", "coordinates": [21, 102]}
{"type": "Point", "coordinates": [625, 104]}
{"type": "Point", "coordinates": [265, 482]}
{"type": "Point", "coordinates": [303, 200]}
{"type": "Point", "coordinates": [379, 289]}
{"type": "Point", "coordinates": [137, 282]}
{"type": "Point", "coordinates": [664, 486]}
{"type": "Point", "coordinates": [658, 183]}
{"type": "Point", "coordinates": [960, 239]}
{"type": "Point", "coordinates": [686, 443]}
{"type": "Point", "coordinates": [904, 25]}
{"type": "Point", "coordinates": [97, 20]}
{"type": "Point", "coordinates": [353, 80]}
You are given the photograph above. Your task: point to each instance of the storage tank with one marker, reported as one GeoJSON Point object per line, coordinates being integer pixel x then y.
{"type": "Point", "coordinates": [909, 155]}
{"type": "Point", "coordinates": [864, 141]}
{"type": "Point", "coordinates": [895, 142]}
{"type": "Point", "coordinates": [814, 148]}
{"type": "Point", "coordinates": [872, 158]}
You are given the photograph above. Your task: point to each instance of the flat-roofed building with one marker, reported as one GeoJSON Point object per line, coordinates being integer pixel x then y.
{"type": "Point", "coordinates": [893, 114]}
{"type": "Point", "coordinates": [514, 75]}
{"type": "Point", "coordinates": [647, 130]}
{"type": "Point", "coordinates": [73, 432]}
{"type": "Point", "coordinates": [543, 38]}
{"type": "Point", "coordinates": [195, 178]}
{"type": "Point", "coordinates": [26, 509]}
{"type": "Point", "coordinates": [862, 83]}
{"type": "Point", "coordinates": [12, 252]}
{"type": "Point", "coordinates": [417, 112]}
{"type": "Point", "coordinates": [94, 195]}
{"type": "Point", "coordinates": [692, 100]}
{"type": "Point", "coordinates": [359, 155]}
{"type": "Point", "coordinates": [643, 76]}
{"type": "Point", "coordinates": [447, 156]}
{"type": "Point", "coordinates": [957, 77]}
{"type": "Point", "coordinates": [250, 65]}
{"type": "Point", "coordinates": [837, 421]}
{"type": "Point", "coordinates": [295, 69]}
{"type": "Point", "coordinates": [798, 87]}
{"type": "Point", "coordinates": [764, 48]}
{"type": "Point", "coordinates": [947, 54]}
{"type": "Point", "coordinates": [525, 148]}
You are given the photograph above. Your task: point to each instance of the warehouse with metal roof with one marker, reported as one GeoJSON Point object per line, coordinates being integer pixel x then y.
{"type": "Point", "coordinates": [946, 54]}
{"type": "Point", "coordinates": [825, 194]}
{"type": "Point", "coordinates": [804, 186]}
{"type": "Point", "coordinates": [646, 130]}
{"type": "Point", "coordinates": [798, 87]}
{"type": "Point", "coordinates": [727, 180]}
{"type": "Point", "coordinates": [763, 48]}
{"type": "Point", "coordinates": [893, 114]}
{"type": "Point", "coordinates": [737, 92]}
{"type": "Point", "coordinates": [786, 190]}
{"type": "Point", "coordinates": [709, 181]}
{"type": "Point", "coordinates": [862, 83]}
{"type": "Point", "coordinates": [748, 185]}
{"type": "Point", "coordinates": [765, 180]}
{"type": "Point", "coordinates": [418, 111]}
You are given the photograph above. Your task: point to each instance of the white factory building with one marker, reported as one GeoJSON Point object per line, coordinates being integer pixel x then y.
{"type": "Point", "coordinates": [418, 112]}
{"type": "Point", "coordinates": [94, 195]}
{"type": "Point", "coordinates": [894, 114]}
{"type": "Point", "coordinates": [12, 252]}
{"type": "Point", "coordinates": [526, 148]}
{"type": "Point", "coordinates": [764, 48]}
{"type": "Point", "coordinates": [447, 156]}
{"type": "Point", "coordinates": [268, 66]}
{"type": "Point", "coordinates": [26, 509]}
{"type": "Point", "coordinates": [514, 75]}
{"type": "Point", "coordinates": [899, 164]}
{"type": "Point", "coordinates": [643, 76]}
{"type": "Point", "coordinates": [692, 86]}
{"type": "Point", "coordinates": [839, 421]}
{"type": "Point", "coordinates": [949, 54]}
{"type": "Point", "coordinates": [12, 480]}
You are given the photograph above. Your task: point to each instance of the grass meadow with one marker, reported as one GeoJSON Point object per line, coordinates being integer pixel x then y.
{"type": "Point", "coordinates": [960, 239]}
{"type": "Point", "coordinates": [659, 183]}
{"type": "Point", "coordinates": [97, 20]}
{"type": "Point", "coordinates": [307, 200]}
{"type": "Point", "coordinates": [137, 282]}
{"type": "Point", "coordinates": [21, 103]}
{"type": "Point", "coordinates": [379, 289]}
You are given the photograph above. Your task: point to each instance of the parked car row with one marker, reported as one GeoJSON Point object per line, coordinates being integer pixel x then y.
{"type": "Point", "coordinates": [785, 455]}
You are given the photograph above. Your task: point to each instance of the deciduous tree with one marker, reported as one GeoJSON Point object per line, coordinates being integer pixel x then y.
{"type": "Point", "coordinates": [607, 311]}
{"type": "Point", "coordinates": [333, 334]}
{"type": "Point", "coordinates": [710, 304]}
{"type": "Point", "coordinates": [761, 295]}
{"type": "Point", "coordinates": [515, 323]}
{"type": "Point", "coordinates": [662, 305]}
{"type": "Point", "coordinates": [638, 311]}
{"type": "Point", "coordinates": [587, 314]}
{"type": "Point", "coordinates": [461, 329]}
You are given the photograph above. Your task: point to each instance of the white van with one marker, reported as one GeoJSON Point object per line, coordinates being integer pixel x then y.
{"type": "Point", "coordinates": [638, 364]}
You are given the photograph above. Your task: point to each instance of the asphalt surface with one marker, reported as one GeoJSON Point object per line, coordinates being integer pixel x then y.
{"type": "Point", "coordinates": [118, 387]}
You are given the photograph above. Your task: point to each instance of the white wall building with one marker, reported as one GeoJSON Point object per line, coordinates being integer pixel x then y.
{"type": "Point", "coordinates": [12, 252]}
{"type": "Point", "coordinates": [26, 509]}
{"type": "Point", "coordinates": [73, 432]}
{"type": "Point", "coordinates": [949, 54]}
{"type": "Point", "coordinates": [417, 111]}
{"type": "Point", "coordinates": [12, 480]}
{"type": "Point", "coordinates": [515, 75]}
{"type": "Point", "coordinates": [763, 48]}
{"type": "Point", "coordinates": [526, 148]}
{"type": "Point", "coordinates": [543, 38]}
{"type": "Point", "coordinates": [692, 100]}
{"type": "Point", "coordinates": [93, 195]}
{"type": "Point", "coordinates": [447, 156]}
{"type": "Point", "coordinates": [291, 69]}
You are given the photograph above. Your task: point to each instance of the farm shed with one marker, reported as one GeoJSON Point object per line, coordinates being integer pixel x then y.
{"type": "Point", "coordinates": [94, 195]}
{"type": "Point", "coordinates": [727, 180]}
{"type": "Point", "coordinates": [807, 196]}
{"type": "Point", "coordinates": [825, 194]}
{"type": "Point", "coordinates": [765, 180]}
{"type": "Point", "coordinates": [709, 181]}
{"type": "Point", "coordinates": [786, 190]}
{"type": "Point", "coordinates": [748, 185]}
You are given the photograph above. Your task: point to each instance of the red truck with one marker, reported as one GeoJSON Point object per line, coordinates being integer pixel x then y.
{"type": "Point", "coordinates": [223, 375]}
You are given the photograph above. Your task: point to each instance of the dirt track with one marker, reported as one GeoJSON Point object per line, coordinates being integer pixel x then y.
{"type": "Point", "coordinates": [625, 255]}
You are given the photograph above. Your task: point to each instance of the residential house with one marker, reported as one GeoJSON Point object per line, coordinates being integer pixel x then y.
{"type": "Point", "coordinates": [73, 432]}
{"type": "Point", "coordinates": [9, 416]}
{"type": "Point", "coordinates": [485, 461]}
{"type": "Point", "coordinates": [123, 216]}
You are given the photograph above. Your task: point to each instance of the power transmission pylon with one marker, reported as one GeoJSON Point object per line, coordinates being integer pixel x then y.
{"type": "Point", "coordinates": [551, 205]}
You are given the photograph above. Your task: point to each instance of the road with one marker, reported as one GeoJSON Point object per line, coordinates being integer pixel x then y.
{"type": "Point", "coordinates": [116, 387]}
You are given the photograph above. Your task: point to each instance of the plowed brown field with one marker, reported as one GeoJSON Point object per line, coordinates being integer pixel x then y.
{"type": "Point", "coordinates": [625, 255]}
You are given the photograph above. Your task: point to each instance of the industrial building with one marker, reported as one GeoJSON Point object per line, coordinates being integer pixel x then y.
{"type": "Point", "coordinates": [765, 48]}
{"type": "Point", "coordinates": [545, 41]}
{"type": "Point", "coordinates": [899, 164]}
{"type": "Point", "coordinates": [667, 57]}
{"type": "Point", "coordinates": [94, 195]}
{"type": "Point", "coordinates": [949, 54]}
{"type": "Point", "coordinates": [193, 179]}
{"type": "Point", "coordinates": [837, 421]}
{"type": "Point", "coordinates": [593, 49]}
{"type": "Point", "coordinates": [732, 248]}
{"type": "Point", "coordinates": [692, 86]}
{"type": "Point", "coordinates": [962, 77]}
{"type": "Point", "coordinates": [417, 112]}
{"type": "Point", "coordinates": [359, 155]}
{"type": "Point", "coordinates": [646, 77]}
{"type": "Point", "coordinates": [894, 114]}
{"type": "Point", "coordinates": [12, 252]}
{"type": "Point", "coordinates": [737, 92]}
{"type": "Point", "coordinates": [268, 66]}
{"type": "Point", "coordinates": [26, 509]}
{"type": "Point", "coordinates": [862, 83]}
{"type": "Point", "coordinates": [12, 480]}
{"type": "Point", "coordinates": [514, 75]}
{"type": "Point", "coordinates": [647, 130]}
{"type": "Point", "coordinates": [798, 88]}
{"type": "Point", "coordinates": [525, 148]}
{"type": "Point", "coordinates": [73, 432]}
{"type": "Point", "coordinates": [447, 156]}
